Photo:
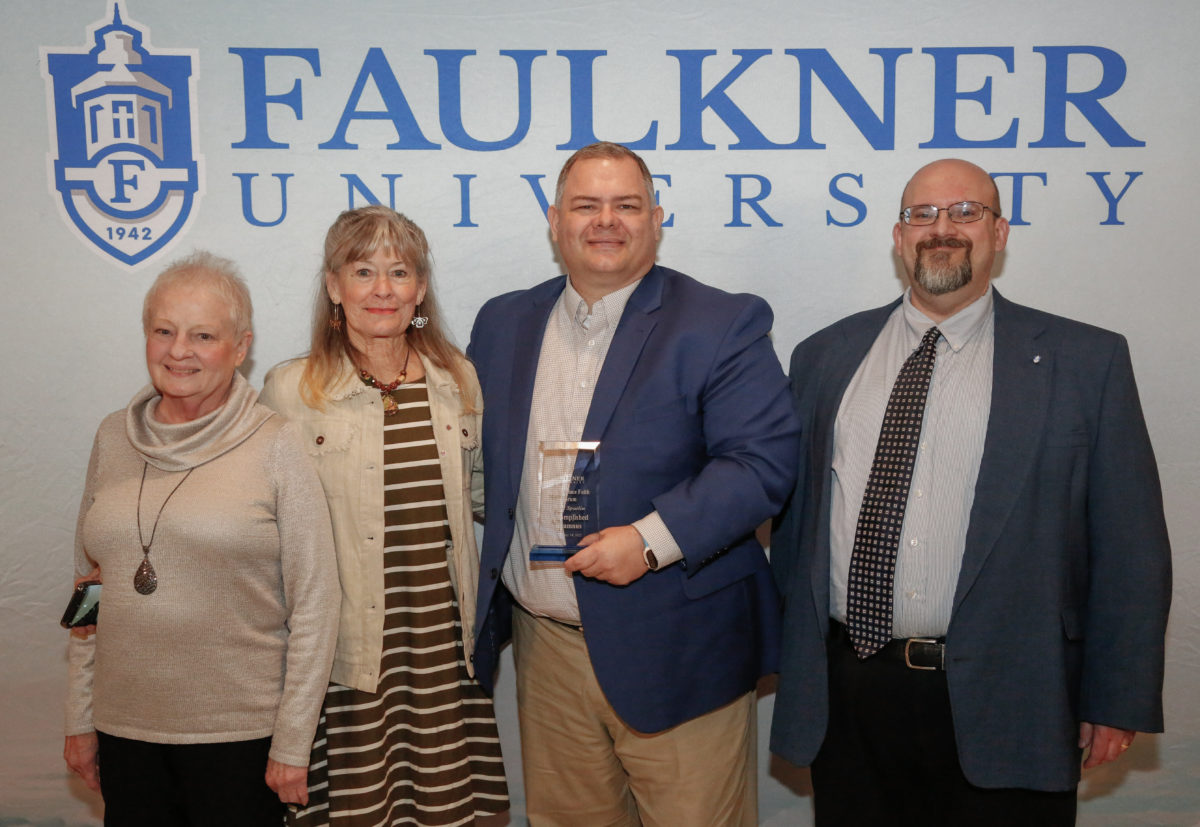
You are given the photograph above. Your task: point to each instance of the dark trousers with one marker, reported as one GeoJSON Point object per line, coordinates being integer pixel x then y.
{"type": "Point", "coordinates": [186, 785]}
{"type": "Point", "coordinates": [889, 756]}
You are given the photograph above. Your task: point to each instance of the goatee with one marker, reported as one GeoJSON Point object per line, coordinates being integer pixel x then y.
{"type": "Point", "coordinates": [939, 276]}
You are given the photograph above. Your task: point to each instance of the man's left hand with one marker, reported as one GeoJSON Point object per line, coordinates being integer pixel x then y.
{"type": "Point", "coordinates": [613, 555]}
{"type": "Point", "coordinates": [1103, 743]}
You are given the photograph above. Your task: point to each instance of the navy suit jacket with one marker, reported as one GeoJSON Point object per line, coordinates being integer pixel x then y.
{"type": "Point", "coordinates": [1060, 609]}
{"type": "Point", "coordinates": [694, 420]}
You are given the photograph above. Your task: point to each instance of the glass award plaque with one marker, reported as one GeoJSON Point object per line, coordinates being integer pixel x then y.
{"type": "Point", "coordinates": [568, 504]}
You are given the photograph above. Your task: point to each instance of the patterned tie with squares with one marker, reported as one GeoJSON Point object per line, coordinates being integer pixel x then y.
{"type": "Point", "coordinates": [877, 535]}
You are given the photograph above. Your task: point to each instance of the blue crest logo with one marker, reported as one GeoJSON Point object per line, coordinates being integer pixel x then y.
{"type": "Point", "coordinates": [124, 120]}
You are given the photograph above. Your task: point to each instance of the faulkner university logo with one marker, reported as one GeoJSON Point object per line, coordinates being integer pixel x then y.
{"type": "Point", "coordinates": [123, 120]}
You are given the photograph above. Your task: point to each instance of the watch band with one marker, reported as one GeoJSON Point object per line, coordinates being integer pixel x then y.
{"type": "Point", "coordinates": [649, 556]}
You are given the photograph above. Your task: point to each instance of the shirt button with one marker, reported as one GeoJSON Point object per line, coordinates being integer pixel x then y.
{"type": "Point", "coordinates": [914, 542]}
{"type": "Point", "coordinates": [320, 440]}
{"type": "Point", "coordinates": [920, 493]}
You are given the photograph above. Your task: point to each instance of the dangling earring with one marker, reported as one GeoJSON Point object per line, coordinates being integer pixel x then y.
{"type": "Point", "coordinates": [419, 321]}
{"type": "Point", "coordinates": [335, 322]}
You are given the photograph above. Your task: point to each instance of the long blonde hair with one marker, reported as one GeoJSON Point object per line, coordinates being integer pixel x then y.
{"type": "Point", "coordinates": [357, 235]}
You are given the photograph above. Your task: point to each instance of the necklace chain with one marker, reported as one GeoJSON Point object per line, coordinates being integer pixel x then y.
{"type": "Point", "coordinates": [145, 579]}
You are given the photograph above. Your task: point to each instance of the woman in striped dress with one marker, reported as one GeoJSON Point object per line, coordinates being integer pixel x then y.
{"type": "Point", "coordinates": [389, 410]}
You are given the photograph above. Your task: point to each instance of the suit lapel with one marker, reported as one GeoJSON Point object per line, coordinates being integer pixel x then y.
{"type": "Point", "coordinates": [1022, 369]}
{"type": "Point", "coordinates": [530, 328]}
{"type": "Point", "coordinates": [629, 339]}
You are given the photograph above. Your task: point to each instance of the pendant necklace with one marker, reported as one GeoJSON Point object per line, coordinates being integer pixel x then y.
{"type": "Point", "coordinates": [145, 579]}
{"type": "Point", "coordinates": [385, 391]}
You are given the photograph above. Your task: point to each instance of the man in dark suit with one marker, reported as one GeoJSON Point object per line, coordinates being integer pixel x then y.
{"type": "Point", "coordinates": [1027, 580]}
{"type": "Point", "coordinates": [637, 658]}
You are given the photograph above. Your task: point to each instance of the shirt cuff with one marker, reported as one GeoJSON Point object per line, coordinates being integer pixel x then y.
{"type": "Point", "coordinates": [656, 534]}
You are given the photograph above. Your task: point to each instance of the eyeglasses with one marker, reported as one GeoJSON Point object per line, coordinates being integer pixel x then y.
{"type": "Point", "coordinates": [964, 212]}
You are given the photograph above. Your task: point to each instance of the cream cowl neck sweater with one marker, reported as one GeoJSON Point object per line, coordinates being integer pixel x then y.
{"type": "Point", "coordinates": [237, 640]}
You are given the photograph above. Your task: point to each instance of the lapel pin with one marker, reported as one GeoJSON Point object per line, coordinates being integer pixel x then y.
{"type": "Point", "coordinates": [1037, 358]}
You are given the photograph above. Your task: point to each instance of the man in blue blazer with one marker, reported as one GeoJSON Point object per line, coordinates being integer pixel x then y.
{"type": "Point", "coordinates": [637, 658]}
{"type": "Point", "coordinates": [1032, 578]}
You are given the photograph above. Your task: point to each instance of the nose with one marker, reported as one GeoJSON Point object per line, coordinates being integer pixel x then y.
{"type": "Point", "coordinates": [943, 220]}
{"type": "Point", "coordinates": [382, 286]}
{"type": "Point", "coordinates": [180, 348]}
{"type": "Point", "coordinates": [606, 216]}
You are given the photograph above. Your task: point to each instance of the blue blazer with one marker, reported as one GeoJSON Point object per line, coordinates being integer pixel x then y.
{"type": "Point", "coordinates": [1060, 610]}
{"type": "Point", "coordinates": [694, 420]}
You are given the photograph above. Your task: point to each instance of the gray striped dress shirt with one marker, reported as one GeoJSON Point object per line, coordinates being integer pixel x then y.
{"type": "Point", "coordinates": [943, 484]}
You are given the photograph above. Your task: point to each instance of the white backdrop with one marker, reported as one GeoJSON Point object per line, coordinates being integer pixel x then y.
{"type": "Point", "coordinates": [683, 75]}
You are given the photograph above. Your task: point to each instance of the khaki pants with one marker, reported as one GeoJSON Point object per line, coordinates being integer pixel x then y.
{"type": "Point", "coordinates": [584, 767]}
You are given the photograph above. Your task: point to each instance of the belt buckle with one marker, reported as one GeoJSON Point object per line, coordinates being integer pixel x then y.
{"type": "Point", "coordinates": [908, 659]}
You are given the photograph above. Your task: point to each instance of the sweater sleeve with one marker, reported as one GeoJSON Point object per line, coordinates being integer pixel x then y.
{"type": "Point", "coordinates": [81, 652]}
{"type": "Point", "coordinates": [312, 594]}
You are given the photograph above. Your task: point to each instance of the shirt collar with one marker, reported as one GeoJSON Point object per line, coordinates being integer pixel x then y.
{"type": "Point", "coordinates": [607, 310]}
{"type": "Point", "coordinates": [956, 330]}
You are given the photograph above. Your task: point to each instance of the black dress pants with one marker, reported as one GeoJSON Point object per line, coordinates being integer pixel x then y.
{"type": "Point", "coordinates": [186, 785]}
{"type": "Point", "coordinates": [889, 757]}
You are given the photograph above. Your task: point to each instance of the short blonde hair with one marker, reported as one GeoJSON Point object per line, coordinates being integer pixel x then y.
{"type": "Point", "coordinates": [211, 272]}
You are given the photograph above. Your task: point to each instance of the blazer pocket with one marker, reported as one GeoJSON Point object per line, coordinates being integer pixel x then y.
{"type": "Point", "coordinates": [468, 432]}
{"type": "Point", "coordinates": [671, 409]}
{"type": "Point", "coordinates": [328, 436]}
{"type": "Point", "coordinates": [723, 569]}
{"type": "Point", "coordinates": [1071, 438]}
{"type": "Point", "coordinates": [1072, 624]}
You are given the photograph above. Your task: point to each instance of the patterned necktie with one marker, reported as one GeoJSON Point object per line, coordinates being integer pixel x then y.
{"type": "Point", "coordinates": [877, 535]}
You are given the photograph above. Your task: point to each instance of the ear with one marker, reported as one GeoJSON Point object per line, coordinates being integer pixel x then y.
{"type": "Point", "coordinates": [552, 216]}
{"type": "Point", "coordinates": [658, 220]}
{"type": "Point", "coordinates": [1000, 233]}
{"type": "Point", "coordinates": [332, 288]}
{"type": "Point", "coordinates": [244, 347]}
{"type": "Point", "coordinates": [421, 288]}
{"type": "Point", "coordinates": [896, 238]}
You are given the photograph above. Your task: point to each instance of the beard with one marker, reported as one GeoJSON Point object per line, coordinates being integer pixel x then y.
{"type": "Point", "coordinates": [939, 276]}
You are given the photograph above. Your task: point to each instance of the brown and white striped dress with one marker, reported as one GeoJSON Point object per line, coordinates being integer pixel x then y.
{"type": "Point", "coordinates": [423, 749]}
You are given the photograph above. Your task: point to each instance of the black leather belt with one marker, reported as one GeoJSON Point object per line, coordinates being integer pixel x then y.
{"type": "Point", "coordinates": [925, 653]}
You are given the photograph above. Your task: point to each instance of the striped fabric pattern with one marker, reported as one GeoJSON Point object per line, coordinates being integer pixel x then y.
{"type": "Point", "coordinates": [424, 748]}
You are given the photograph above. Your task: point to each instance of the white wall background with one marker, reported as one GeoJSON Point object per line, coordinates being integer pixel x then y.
{"type": "Point", "coordinates": [73, 346]}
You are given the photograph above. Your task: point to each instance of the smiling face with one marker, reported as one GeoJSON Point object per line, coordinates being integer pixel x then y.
{"type": "Point", "coordinates": [949, 265]}
{"type": "Point", "coordinates": [192, 350]}
{"type": "Point", "coordinates": [378, 295]}
{"type": "Point", "coordinates": [606, 225]}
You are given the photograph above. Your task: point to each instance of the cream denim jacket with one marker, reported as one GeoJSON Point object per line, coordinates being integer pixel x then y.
{"type": "Point", "coordinates": [345, 442]}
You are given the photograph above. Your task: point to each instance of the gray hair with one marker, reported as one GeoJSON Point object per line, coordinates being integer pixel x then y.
{"type": "Point", "coordinates": [203, 269]}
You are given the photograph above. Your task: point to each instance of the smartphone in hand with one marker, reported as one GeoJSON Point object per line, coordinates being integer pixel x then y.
{"type": "Point", "coordinates": [84, 605]}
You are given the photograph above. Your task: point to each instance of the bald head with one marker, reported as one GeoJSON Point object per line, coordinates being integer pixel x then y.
{"type": "Point", "coordinates": [962, 173]}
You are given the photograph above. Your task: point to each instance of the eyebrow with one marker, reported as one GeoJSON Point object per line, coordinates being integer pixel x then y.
{"type": "Point", "coordinates": [575, 199]}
